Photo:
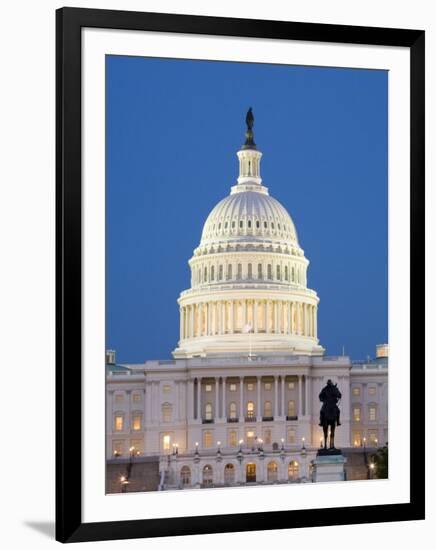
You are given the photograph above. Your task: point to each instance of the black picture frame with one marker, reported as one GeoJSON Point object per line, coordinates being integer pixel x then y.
{"type": "Point", "coordinates": [69, 22]}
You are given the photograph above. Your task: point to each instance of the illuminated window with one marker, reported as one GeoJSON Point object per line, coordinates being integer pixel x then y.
{"type": "Point", "coordinates": [136, 421]}
{"type": "Point", "coordinates": [357, 439]}
{"type": "Point", "coordinates": [267, 409]}
{"type": "Point", "coordinates": [293, 470]}
{"type": "Point", "coordinates": [267, 437]}
{"type": "Point", "coordinates": [250, 437]}
{"type": "Point", "coordinates": [356, 392]}
{"type": "Point", "coordinates": [291, 385]}
{"type": "Point", "coordinates": [250, 409]}
{"type": "Point", "coordinates": [136, 397]}
{"type": "Point", "coordinates": [166, 388]}
{"type": "Point", "coordinates": [356, 414]}
{"type": "Point", "coordinates": [207, 475]}
{"type": "Point", "coordinates": [268, 385]}
{"type": "Point", "coordinates": [185, 475]}
{"type": "Point", "coordinates": [291, 408]}
{"type": "Point", "coordinates": [372, 390]}
{"type": "Point", "coordinates": [208, 411]}
{"type": "Point", "coordinates": [233, 438]}
{"type": "Point", "coordinates": [208, 387]}
{"type": "Point", "coordinates": [207, 440]}
{"type": "Point", "coordinates": [373, 412]}
{"type": "Point", "coordinates": [119, 422]}
{"type": "Point", "coordinates": [167, 412]}
{"type": "Point", "coordinates": [136, 445]}
{"type": "Point", "coordinates": [250, 386]}
{"type": "Point", "coordinates": [119, 398]}
{"type": "Point", "coordinates": [372, 435]}
{"type": "Point", "coordinates": [291, 436]}
{"type": "Point", "coordinates": [166, 442]}
{"type": "Point", "coordinates": [117, 448]}
{"type": "Point", "coordinates": [232, 410]}
{"type": "Point", "coordinates": [232, 387]}
{"type": "Point", "coordinates": [272, 471]}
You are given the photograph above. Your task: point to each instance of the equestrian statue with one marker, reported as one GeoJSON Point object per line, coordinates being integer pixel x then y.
{"type": "Point", "coordinates": [330, 413]}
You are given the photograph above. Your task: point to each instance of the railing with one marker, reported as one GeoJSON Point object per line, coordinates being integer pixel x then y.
{"type": "Point", "coordinates": [207, 421]}
{"type": "Point", "coordinates": [250, 419]}
{"type": "Point", "coordinates": [292, 418]}
{"type": "Point", "coordinates": [267, 418]}
{"type": "Point", "coordinates": [233, 419]}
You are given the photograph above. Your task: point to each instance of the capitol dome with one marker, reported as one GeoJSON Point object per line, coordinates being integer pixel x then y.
{"type": "Point", "coordinates": [248, 276]}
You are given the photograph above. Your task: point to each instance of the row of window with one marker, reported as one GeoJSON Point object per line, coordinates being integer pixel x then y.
{"type": "Point", "coordinates": [250, 438]}
{"type": "Point", "coordinates": [120, 421]}
{"type": "Point", "coordinates": [120, 397]}
{"type": "Point", "coordinates": [230, 473]}
{"type": "Point", "coordinates": [216, 273]}
{"type": "Point", "coordinates": [250, 224]}
{"type": "Point", "coordinates": [357, 413]}
{"type": "Point", "coordinates": [249, 386]}
{"type": "Point", "coordinates": [356, 391]}
{"type": "Point", "coordinates": [359, 440]}
{"type": "Point", "coordinates": [250, 410]}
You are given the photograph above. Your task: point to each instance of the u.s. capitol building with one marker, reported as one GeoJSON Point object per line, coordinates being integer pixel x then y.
{"type": "Point", "coordinates": [238, 403]}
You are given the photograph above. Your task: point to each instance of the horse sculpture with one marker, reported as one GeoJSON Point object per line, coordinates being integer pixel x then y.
{"type": "Point", "coordinates": [330, 413]}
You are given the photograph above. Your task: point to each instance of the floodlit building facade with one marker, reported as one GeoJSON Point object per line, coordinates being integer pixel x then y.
{"type": "Point", "coordinates": [238, 403]}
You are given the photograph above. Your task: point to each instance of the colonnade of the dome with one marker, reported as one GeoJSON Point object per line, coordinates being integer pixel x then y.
{"type": "Point", "coordinates": [219, 317]}
{"type": "Point", "coordinates": [208, 271]}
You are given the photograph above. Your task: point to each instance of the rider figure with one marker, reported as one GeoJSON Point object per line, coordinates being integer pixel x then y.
{"type": "Point", "coordinates": [330, 393]}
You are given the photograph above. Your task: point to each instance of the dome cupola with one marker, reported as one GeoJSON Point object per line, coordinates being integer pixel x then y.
{"type": "Point", "coordinates": [248, 275]}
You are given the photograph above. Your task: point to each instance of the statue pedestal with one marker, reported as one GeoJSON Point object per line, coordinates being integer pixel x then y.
{"type": "Point", "coordinates": [329, 465]}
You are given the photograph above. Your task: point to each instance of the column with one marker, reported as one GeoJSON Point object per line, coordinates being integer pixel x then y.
{"type": "Point", "coordinates": [181, 323]}
{"type": "Point", "coordinates": [241, 397]}
{"type": "Point", "coordinates": [147, 402]}
{"type": "Point", "coordinates": [288, 313]}
{"type": "Point", "coordinates": [200, 319]}
{"type": "Point", "coordinates": [307, 401]}
{"type": "Point", "coordinates": [255, 304]}
{"type": "Point", "coordinates": [223, 410]}
{"type": "Point", "coordinates": [267, 315]}
{"type": "Point", "coordinates": [276, 396]}
{"type": "Point", "coordinates": [300, 396]}
{"type": "Point", "coordinates": [190, 412]}
{"type": "Point", "coordinates": [232, 316]}
{"type": "Point", "coordinates": [283, 397]}
{"type": "Point", "coordinates": [206, 318]}
{"type": "Point", "coordinates": [259, 405]}
{"type": "Point", "coordinates": [216, 411]}
{"type": "Point", "coordinates": [244, 313]}
{"type": "Point", "coordinates": [198, 398]}
{"type": "Point", "coordinates": [191, 321]}
{"type": "Point", "coordinates": [316, 322]}
{"type": "Point", "coordinates": [276, 318]}
{"type": "Point", "coordinates": [223, 317]}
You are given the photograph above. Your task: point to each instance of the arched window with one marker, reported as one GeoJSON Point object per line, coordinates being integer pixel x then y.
{"type": "Point", "coordinates": [293, 470]}
{"type": "Point", "coordinates": [278, 273]}
{"type": "Point", "coordinates": [293, 274]}
{"type": "Point", "coordinates": [250, 272]}
{"type": "Point", "coordinates": [286, 273]}
{"type": "Point", "coordinates": [229, 474]}
{"type": "Point", "coordinates": [185, 475]}
{"type": "Point", "coordinates": [241, 224]}
{"type": "Point", "coordinates": [257, 224]}
{"type": "Point", "coordinates": [272, 471]}
{"type": "Point", "coordinates": [269, 271]}
{"type": "Point", "coordinates": [212, 273]}
{"type": "Point", "coordinates": [239, 275]}
{"type": "Point", "coordinates": [205, 274]}
{"type": "Point", "coordinates": [259, 271]}
{"type": "Point", "coordinates": [220, 273]}
{"type": "Point", "coordinates": [233, 225]}
{"type": "Point", "coordinates": [291, 408]}
{"type": "Point", "coordinates": [229, 272]}
{"type": "Point", "coordinates": [207, 475]}
{"type": "Point", "coordinates": [167, 412]}
{"type": "Point", "coordinates": [208, 411]}
{"type": "Point", "coordinates": [267, 409]}
{"type": "Point", "coordinates": [250, 409]}
{"type": "Point", "coordinates": [232, 410]}
{"type": "Point", "coordinates": [265, 225]}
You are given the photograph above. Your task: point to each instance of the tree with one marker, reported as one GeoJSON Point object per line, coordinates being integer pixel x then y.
{"type": "Point", "coordinates": [380, 460]}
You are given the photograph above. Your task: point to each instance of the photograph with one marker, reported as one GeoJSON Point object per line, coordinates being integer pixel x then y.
{"type": "Point", "coordinates": [246, 230]}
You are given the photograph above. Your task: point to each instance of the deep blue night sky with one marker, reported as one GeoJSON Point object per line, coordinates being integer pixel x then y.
{"type": "Point", "coordinates": [173, 129]}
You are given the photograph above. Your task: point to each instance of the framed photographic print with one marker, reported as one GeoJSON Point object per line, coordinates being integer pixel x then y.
{"type": "Point", "coordinates": [240, 274]}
